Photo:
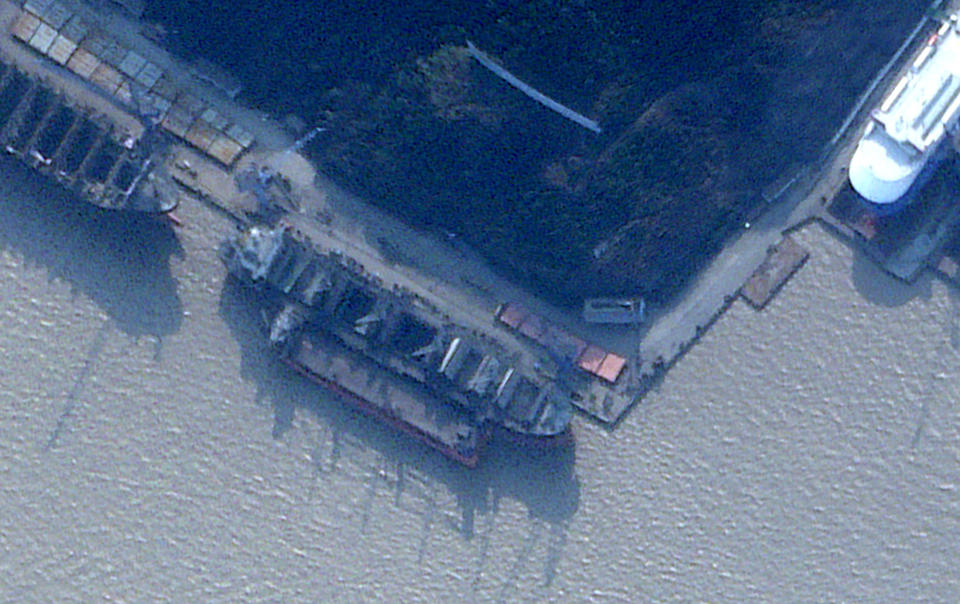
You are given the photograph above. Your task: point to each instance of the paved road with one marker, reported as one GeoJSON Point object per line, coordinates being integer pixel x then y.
{"type": "Point", "coordinates": [672, 330]}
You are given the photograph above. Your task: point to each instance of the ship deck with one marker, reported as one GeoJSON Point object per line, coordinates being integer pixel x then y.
{"type": "Point", "coordinates": [926, 101]}
{"type": "Point", "coordinates": [429, 296]}
{"type": "Point", "coordinates": [64, 127]}
{"type": "Point", "coordinates": [408, 405]}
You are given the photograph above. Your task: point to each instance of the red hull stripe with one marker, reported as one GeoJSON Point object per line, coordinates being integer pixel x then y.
{"type": "Point", "coordinates": [372, 410]}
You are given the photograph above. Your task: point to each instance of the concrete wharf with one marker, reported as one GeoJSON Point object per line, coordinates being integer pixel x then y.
{"type": "Point", "coordinates": [444, 272]}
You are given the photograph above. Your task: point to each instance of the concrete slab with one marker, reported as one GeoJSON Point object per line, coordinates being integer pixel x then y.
{"type": "Point", "coordinates": [75, 30]}
{"type": "Point", "coordinates": [114, 53]}
{"type": "Point", "coordinates": [160, 104]}
{"type": "Point", "coordinates": [96, 44]}
{"type": "Point", "coordinates": [25, 26]}
{"type": "Point", "coordinates": [106, 77]}
{"type": "Point", "coordinates": [37, 7]}
{"type": "Point", "coordinates": [123, 92]}
{"type": "Point", "coordinates": [56, 15]}
{"type": "Point", "coordinates": [177, 122]}
{"type": "Point", "coordinates": [201, 135]}
{"type": "Point", "coordinates": [83, 63]}
{"type": "Point", "coordinates": [225, 150]}
{"type": "Point", "coordinates": [62, 49]}
{"type": "Point", "coordinates": [190, 104]}
{"type": "Point", "coordinates": [43, 38]}
{"type": "Point", "coordinates": [149, 75]}
{"type": "Point", "coordinates": [166, 88]}
{"type": "Point", "coordinates": [240, 135]}
{"type": "Point", "coordinates": [131, 64]}
{"type": "Point", "coordinates": [212, 117]}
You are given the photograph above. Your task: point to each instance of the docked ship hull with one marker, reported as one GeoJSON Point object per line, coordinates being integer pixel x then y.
{"type": "Point", "coordinates": [925, 171]}
{"type": "Point", "coordinates": [372, 410]}
{"type": "Point", "coordinates": [383, 410]}
{"type": "Point", "coordinates": [910, 132]}
{"type": "Point", "coordinates": [394, 356]}
{"type": "Point", "coordinates": [80, 151]}
{"type": "Point", "coordinates": [564, 439]}
{"type": "Point", "coordinates": [381, 396]}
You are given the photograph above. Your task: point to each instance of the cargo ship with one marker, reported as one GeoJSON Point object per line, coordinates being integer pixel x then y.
{"type": "Point", "coordinates": [83, 151]}
{"type": "Point", "coordinates": [909, 133]}
{"type": "Point", "coordinates": [98, 115]}
{"type": "Point", "coordinates": [78, 44]}
{"type": "Point", "coordinates": [392, 354]}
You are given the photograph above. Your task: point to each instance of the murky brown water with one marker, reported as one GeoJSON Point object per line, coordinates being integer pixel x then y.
{"type": "Point", "coordinates": [150, 448]}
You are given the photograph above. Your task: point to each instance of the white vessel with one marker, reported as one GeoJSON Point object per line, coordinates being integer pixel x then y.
{"type": "Point", "coordinates": [905, 139]}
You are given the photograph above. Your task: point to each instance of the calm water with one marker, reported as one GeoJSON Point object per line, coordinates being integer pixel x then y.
{"type": "Point", "coordinates": [150, 448]}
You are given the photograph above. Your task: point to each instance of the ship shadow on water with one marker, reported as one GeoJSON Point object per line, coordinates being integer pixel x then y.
{"type": "Point", "coordinates": [883, 289]}
{"type": "Point", "coordinates": [120, 261]}
{"type": "Point", "coordinates": [542, 480]}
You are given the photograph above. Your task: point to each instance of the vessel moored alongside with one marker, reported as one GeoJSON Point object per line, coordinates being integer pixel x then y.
{"type": "Point", "coordinates": [392, 355]}
{"type": "Point", "coordinates": [83, 151]}
{"type": "Point", "coordinates": [909, 132]}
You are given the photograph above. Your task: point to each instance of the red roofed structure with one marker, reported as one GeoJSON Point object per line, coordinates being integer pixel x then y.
{"type": "Point", "coordinates": [589, 357]}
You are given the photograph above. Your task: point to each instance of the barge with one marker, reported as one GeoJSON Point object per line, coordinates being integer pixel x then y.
{"type": "Point", "coordinates": [81, 150]}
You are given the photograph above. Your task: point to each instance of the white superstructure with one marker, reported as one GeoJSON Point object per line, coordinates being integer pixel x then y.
{"type": "Point", "coordinates": [912, 122]}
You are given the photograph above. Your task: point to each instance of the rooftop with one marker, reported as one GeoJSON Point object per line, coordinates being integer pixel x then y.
{"type": "Point", "coordinates": [140, 84]}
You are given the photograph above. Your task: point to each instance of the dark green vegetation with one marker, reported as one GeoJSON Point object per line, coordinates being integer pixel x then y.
{"type": "Point", "coordinates": [703, 103]}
